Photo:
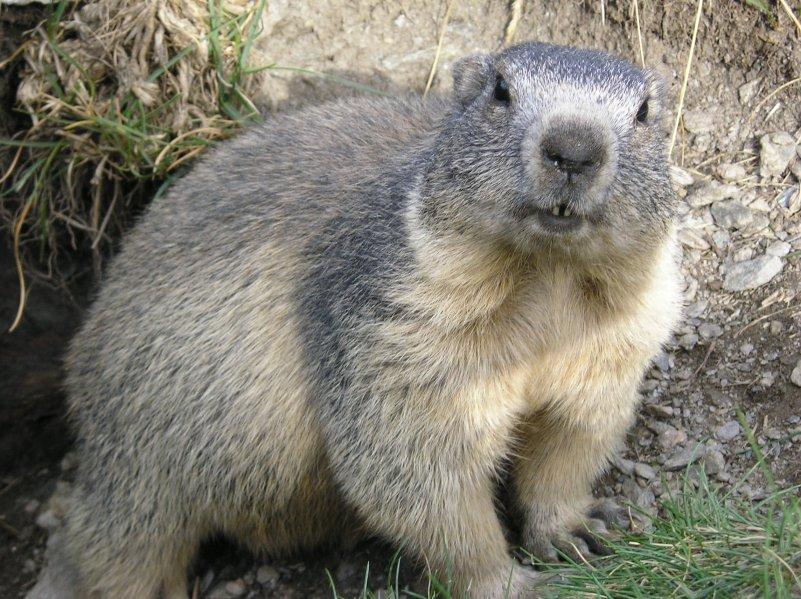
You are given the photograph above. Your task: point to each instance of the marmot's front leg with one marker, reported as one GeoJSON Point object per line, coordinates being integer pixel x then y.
{"type": "Point", "coordinates": [414, 478]}
{"type": "Point", "coordinates": [553, 481]}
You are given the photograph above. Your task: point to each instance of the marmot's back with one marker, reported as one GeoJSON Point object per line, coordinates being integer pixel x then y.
{"type": "Point", "coordinates": [189, 271]}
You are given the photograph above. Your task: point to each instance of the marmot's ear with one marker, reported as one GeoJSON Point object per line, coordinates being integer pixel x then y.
{"type": "Point", "coordinates": [470, 76]}
{"type": "Point", "coordinates": [655, 85]}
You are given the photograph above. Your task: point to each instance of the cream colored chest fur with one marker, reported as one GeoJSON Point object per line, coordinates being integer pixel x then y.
{"type": "Point", "coordinates": [579, 365]}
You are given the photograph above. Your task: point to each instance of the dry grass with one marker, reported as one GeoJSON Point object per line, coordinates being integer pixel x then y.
{"type": "Point", "coordinates": [121, 94]}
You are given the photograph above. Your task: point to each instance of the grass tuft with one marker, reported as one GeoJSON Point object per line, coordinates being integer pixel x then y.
{"type": "Point", "coordinates": [120, 96]}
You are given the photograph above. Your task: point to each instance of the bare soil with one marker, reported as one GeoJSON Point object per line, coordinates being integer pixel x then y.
{"type": "Point", "coordinates": [693, 389]}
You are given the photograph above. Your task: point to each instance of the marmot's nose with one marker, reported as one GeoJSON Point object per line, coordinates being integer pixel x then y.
{"type": "Point", "coordinates": [573, 148]}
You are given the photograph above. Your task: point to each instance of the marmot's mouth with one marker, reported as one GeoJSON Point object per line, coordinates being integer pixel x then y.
{"type": "Point", "coordinates": [562, 210]}
{"type": "Point", "coordinates": [559, 219]}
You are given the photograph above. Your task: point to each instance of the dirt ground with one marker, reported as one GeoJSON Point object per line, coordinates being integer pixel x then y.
{"type": "Point", "coordinates": [740, 226]}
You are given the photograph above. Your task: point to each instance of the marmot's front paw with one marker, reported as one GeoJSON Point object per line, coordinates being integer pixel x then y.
{"type": "Point", "coordinates": [580, 540]}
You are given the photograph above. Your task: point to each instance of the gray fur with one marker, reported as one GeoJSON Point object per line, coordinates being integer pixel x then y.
{"type": "Point", "coordinates": [322, 328]}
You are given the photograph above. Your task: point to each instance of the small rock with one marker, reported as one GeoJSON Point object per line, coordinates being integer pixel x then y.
{"type": "Point", "coordinates": [688, 341]}
{"type": "Point", "coordinates": [644, 471]}
{"type": "Point", "coordinates": [48, 520]}
{"type": "Point", "coordinates": [671, 437]}
{"type": "Point", "coordinates": [776, 327]}
{"type": "Point", "coordinates": [219, 592]}
{"type": "Point", "coordinates": [699, 121]}
{"type": "Point", "coordinates": [721, 238]}
{"type": "Point", "coordinates": [710, 330]}
{"type": "Point", "coordinates": [31, 507]}
{"type": "Point", "coordinates": [681, 177]}
{"type": "Point", "coordinates": [714, 462]}
{"type": "Point", "coordinates": [777, 149]}
{"type": "Point", "coordinates": [746, 348]}
{"type": "Point", "coordinates": [795, 376]}
{"type": "Point", "coordinates": [684, 457]}
{"type": "Point", "coordinates": [731, 172]}
{"type": "Point", "coordinates": [790, 199]}
{"type": "Point", "coordinates": [711, 192]}
{"type": "Point", "coordinates": [659, 410]}
{"type": "Point", "coordinates": [663, 361]}
{"type": "Point", "coordinates": [267, 575]}
{"type": "Point", "coordinates": [779, 249]}
{"type": "Point", "coordinates": [728, 431]}
{"type": "Point", "coordinates": [236, 588]}
{"type": "Point", "coordinates": [747, 91]}
{"type": "Point", "coordinates": [623, 465]}
{"type": "Point", "coordinates": [639, 496]}
{"type": "Point", "coordinates": [752, 273]}
{"type": "Point", "coordinates": [743, 254]}
{"type": "Point", "coordinates": [760, 205]}
{"type": "Point", "coordinates": [731, 214]}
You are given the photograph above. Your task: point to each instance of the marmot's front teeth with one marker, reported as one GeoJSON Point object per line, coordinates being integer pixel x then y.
{"type": "Point", "coordinates": [555, 210]}
{"type": "Point", "coordinates": [568, 212]}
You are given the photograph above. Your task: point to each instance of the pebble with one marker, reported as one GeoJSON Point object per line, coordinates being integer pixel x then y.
{"type": "Point", "coordinates": [48, 520]}
{"type": "Point", "coordinates": [747, 91]}
{"type": "Point", "coordinates": [776, 151]}
{"type": "Point", "coordinates": [639, 496]}
{"type": "Point", "coordinates": [727, 432]}
{"type": "Point", "coordinates": [688, 341]}
{"type": "Point", "coordinates": [731, 214]}
{"type": "Point", "coordinates": [731, 172]}
{"type": "Point", "coordinates": [710, 330]}
{"type": "Point", "coordinates": [699, 121]}
{"type": "Point", "coordinates": [711, 192]}
{"type": "Point", "coordinates": [752, 273]}
{"type": "Point", "coordinates": [659, 410]}
{"type": "Point", "coordinates": [779, 249]}
{"type": "Point", "coordinates": [795, 376]}
{"type": "Point", "coordinates": [623, 465]}
{"type": "Point", "coordinates": [236, 588]}
{"type": "Point", "coordinates": [644, 471]}
{"type": "Point", "coordinates": [743, 254]}
{"type": "Point", "coordinates": [790, 199]}
{"type": "Point", "coordinates": [267, 575]}
{"type": "Point", "coordinates": [684, 457]}
{"type": "Point", "coordinates": [670, 437]}
{"type": "Point", "coordinates": [714, 461]}
{"type": "Point", "coordinates": [681, 177]}
{"type": "Point", "coordinates": [721, 238]}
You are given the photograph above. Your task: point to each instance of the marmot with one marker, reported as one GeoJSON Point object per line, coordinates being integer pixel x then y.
{"type": "Point", "coordinates": [350, 317]}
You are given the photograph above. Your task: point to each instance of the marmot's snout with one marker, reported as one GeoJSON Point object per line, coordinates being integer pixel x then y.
{"type": "Point", "coordinates": [572, 153]}
{"type": "Point", "coordinates": [574, 162]}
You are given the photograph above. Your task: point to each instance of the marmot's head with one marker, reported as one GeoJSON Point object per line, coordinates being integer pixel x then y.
{"type": "Point", "coordinates": [554, 148]}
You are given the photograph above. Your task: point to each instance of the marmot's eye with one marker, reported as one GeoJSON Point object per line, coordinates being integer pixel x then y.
{"type": "Point", "coordinates": [642, 113]}
{"type": "Point", "coordinates": [501, 91]}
